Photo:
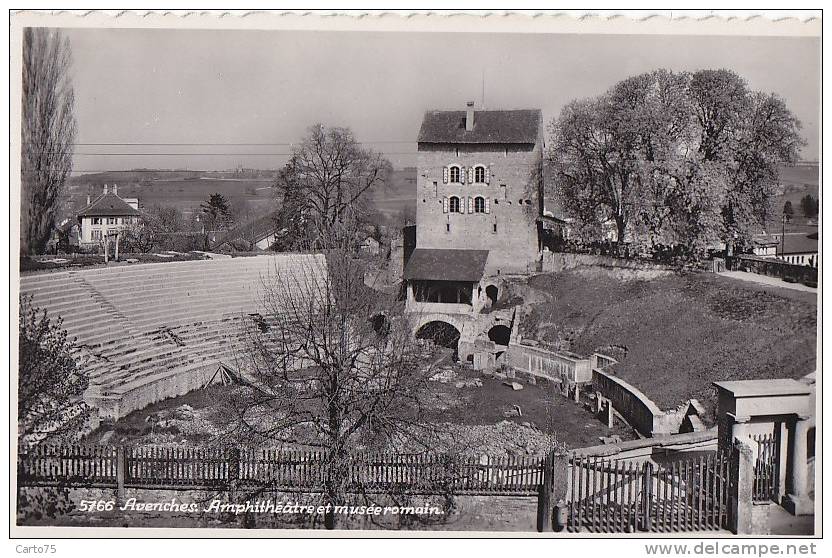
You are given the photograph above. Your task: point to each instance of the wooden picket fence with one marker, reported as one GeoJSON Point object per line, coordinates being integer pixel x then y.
{"type": "Point", "coordinates": [614, 497]}
{"type": "Point", "coordinates": [183, 468]}
{"type": "Point", "coordinates": [766, 467]}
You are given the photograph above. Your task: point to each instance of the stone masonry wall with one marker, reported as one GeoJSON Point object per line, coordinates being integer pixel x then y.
{"type": "Point", "coordinates": [513, 208]}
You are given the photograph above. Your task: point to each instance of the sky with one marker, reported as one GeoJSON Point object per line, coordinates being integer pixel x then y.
{"type": "Point", "coordinates": [153, 87]}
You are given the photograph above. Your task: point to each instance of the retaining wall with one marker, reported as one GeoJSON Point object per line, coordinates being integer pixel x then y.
{"type": "Point", "coordinates": [636, 408]}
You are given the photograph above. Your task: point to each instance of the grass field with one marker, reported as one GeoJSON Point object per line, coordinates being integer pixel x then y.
{"type": "Point", "coordinates": [680, 332]}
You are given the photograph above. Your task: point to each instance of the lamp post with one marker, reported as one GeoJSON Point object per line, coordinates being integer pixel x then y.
{"type": "Point", "coordinates": [783, 238]}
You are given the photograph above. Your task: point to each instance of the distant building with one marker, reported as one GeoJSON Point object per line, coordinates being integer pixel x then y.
{"type": "Point", "coordinates": [106, 214]}
{"type": "Point", "coordinates": [796, 248]}
{"type": "Point", "coordinates": [257, 234]}
{"type": "Point", "coordinates": [764, 246]}
{"type": "Point", "coordinates": [369, 246]}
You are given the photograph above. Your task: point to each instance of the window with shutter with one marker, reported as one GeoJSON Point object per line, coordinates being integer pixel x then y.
{"type": "Point", "coordinates": [471, 175]}
{"type": "Point", "coordinates": [479, 174]}
{"type": "Point", "coordinates": [454, 174]}
{"type": "Point", "coordinates": [445, 175]}
{"type": "Point", "coordinates": [454, 206]}
{"type": "Point", "coordinates": [470, 204]}
{"type": "Point", "coordinates": [445, 205]}
{"type": "Point", "coordinates": [479, 204]}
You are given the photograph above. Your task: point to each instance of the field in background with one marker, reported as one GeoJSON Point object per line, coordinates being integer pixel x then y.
{"type": "Point", "coordinates": [680, 332]}
{"type": "Point", "coordinates": [796, 182]}
{"type": "Point", "coordinates": [186, 190]}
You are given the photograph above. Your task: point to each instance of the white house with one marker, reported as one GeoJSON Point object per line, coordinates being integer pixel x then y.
{"type": "Point", "coordinates": [106, 214]}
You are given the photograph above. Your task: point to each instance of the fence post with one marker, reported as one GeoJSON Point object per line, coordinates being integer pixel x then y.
{"type": "Point", "coordinates": [121, 473]}
{"type": "Point", "coordinates": [646, 496]}
{"type": "Point", "coordinates": [741, 488]}
{"type": "Point", "coordinates": [233, 472]}
{"type": "Point", "coordinates": [544, 495]}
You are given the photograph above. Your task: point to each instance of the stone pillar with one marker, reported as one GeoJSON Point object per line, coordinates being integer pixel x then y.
{"type": "Point", "coordinates": [742, 488]}
{"type": "Point", "coordinates": [782, 431]}
{"type": "Point", "coordinates": [740, 427]}
{"type": "Point", "coordinates": [797, 501]}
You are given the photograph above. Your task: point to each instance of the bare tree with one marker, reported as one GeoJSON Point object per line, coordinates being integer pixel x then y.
{"type": "Point", "coordinates": [324, 186]}
{"type": "Point", "coordinates": [333, 366]}
{"type": "Point", "coordinates": [48, 133]}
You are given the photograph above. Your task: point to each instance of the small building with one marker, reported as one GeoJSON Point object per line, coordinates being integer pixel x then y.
{"type": "Point", "coordinates": [447, 281]}
{"type": "Point", "coordinates": [799, 249]}
{"type": "Point", "coordinates": [257, 234]}
{"type": "Point", "coordinates": [106, 214]}
{"type": "Point", "coordinates": [764, 246]}
{"type": "Point", "coordinates": [369, 246]}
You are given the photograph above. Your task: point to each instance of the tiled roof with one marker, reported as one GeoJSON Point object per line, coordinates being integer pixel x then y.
{"type": "Point", "coordinates": [256, 230]}
{"type": "Point", "coordinates": [108, 205]}
{"type": "Point", "coordinates": [490, 126]}
{"type": "Point", "coordinates": [446, 265]}
{"type": "Point", "coordinates": [800, 244]}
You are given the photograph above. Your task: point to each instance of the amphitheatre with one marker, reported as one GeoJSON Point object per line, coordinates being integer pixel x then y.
{"type": "Point", "coordinates": [148, 332]}
{"type": "Point", "coordinates": [162, 340]}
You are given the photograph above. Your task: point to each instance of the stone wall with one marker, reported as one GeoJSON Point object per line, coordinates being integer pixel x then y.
{"type": "Point", "coordinates": [514, 198]}
{"type": "Point", "coordinates": [553, 365]}
{"type": "Point", "coordinates": [636, 408]}
{"type": "Point", "coordinates": [561, 261]}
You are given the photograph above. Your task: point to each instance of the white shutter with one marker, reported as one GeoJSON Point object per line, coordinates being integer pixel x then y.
{"type": "Point", "coordinates": [462, 175]}
{"type": "Point", "coordinates": [445, 203]}
{"type": "Point", "coordinates": [471, 175]}
{"type": "Point", "coordinates": [488, 205]}
{"type": "Point", "coordinates": [445, 175]}
{"type": "Point", "coordinates": [470, 204]}
{"type": "Point", "coordinates": [487, 175]}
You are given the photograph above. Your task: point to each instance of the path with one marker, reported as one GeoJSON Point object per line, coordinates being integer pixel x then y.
{"type": "Point", "coordinates": [766, 280]}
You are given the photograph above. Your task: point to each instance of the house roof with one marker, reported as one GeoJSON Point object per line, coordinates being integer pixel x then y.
{"type": "Point", "coordinates": [800, 244]}
{"type": "Point", "coordinates": [446, 265]}
{"type": "Point", "coordinates": [108, 205]}
{"type": "Point", "coordinates": [254, 230]}
{"type": "Point", "coordinates": [490, 126]}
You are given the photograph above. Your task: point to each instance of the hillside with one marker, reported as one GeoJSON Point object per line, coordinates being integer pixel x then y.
{"type": "Point", "coordinates": [680, 332]}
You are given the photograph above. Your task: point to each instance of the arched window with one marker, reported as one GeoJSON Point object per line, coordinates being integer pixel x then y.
{"type": "Point", "coordinates": [454, 206]}
{"type": "Point", "coordinates": [454, 175]}
{"type": "Point", "coordinates": [479, 174]}
{"type": "Point", "coordinates": [479, 204]}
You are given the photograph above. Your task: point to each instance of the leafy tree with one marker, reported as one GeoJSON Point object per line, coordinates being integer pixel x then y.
{"type": "Point", "coordinates": [751, 134]}
{"type": "Point", "coordinates": [50, 384]}
{"type": "Point", "coordinates": [325, 185]}
{"type": "Point", "coordinates": [663, 154]}
{"type": "Point", "coordinates": [606, 151]}
{"type": "Point", "coordinates": [809, 206]}
{"type": "Point", "coordinates": [48, 134]}
{"type": "Point", "coordinates": [788, 211]}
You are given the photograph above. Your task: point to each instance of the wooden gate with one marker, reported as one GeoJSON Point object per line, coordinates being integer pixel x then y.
{"type": "Point", "coordinates": [616, 496]}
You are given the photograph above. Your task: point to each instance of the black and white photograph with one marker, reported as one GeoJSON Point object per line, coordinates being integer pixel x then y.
{"type": "Point", "coordinates": [414, 276]}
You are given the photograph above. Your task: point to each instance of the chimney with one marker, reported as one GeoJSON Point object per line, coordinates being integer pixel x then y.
{"type": "Point", "coordinates": [115, 189]}
{"type": "Point", "coordinates": [469, 116]}
{"type": "Point", "coordinates": [105, 188]}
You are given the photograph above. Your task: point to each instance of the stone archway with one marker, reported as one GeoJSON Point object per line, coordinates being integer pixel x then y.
{"type": "Point", "coordinates": [440, 332]}
{"type": "Point", "coordinates": [500, 334]}
{"type": "Point", "coordinates": [492, 292]}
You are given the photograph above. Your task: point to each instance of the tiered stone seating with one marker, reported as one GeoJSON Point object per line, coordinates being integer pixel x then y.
{"type": "Point", "coordinates": [151, 331]}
